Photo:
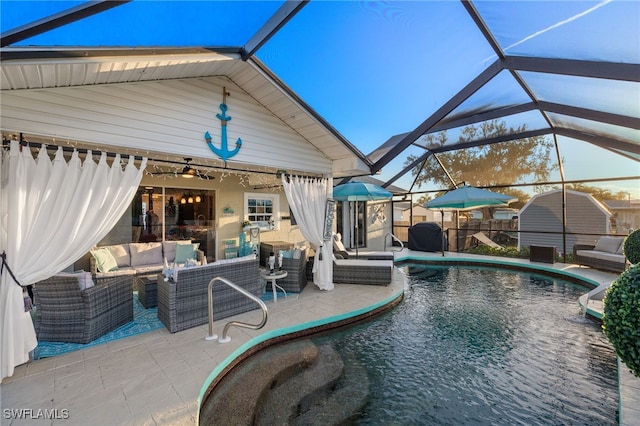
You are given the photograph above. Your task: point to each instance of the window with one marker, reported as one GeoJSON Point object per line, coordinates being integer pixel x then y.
{"type": "Point", "coordinates": [262, 210]}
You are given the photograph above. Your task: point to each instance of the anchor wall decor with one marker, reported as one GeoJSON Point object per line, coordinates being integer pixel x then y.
{"type": "Point", "coordinates": [223, 152]}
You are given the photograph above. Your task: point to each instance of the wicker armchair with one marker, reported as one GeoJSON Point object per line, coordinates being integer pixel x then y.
{"type": "Point", "coordinates": [296, 279]}
{"type": "Point", "coordinates": [64, 313]}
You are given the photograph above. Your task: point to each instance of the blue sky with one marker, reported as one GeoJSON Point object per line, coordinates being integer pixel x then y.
{"type": "Point", "coordinates": [372, 69]}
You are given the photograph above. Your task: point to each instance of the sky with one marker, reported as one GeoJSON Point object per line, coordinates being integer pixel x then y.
{"type": "Point", "coordinates": [377, 69]}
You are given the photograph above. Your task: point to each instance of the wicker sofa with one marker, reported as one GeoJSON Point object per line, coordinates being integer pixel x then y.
{"type": "Point", "coordinates": [607, 254]}
{"type": "Point", "coordinates": [65, 313]}
{"type": "Point", "coordinates": [138, 258]}
{"type": "Point", "coordinates": [183, 302]}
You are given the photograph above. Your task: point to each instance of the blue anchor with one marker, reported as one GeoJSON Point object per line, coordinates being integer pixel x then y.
{"type": "Point", "coordinates": [223, 152]}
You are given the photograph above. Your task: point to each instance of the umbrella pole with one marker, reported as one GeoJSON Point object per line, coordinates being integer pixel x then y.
{"type": "Point", "coordinates": [357, 217]}
{"type": "Point", "coordinates": [442, 231]}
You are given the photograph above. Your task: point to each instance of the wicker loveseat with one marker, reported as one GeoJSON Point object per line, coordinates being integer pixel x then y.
{"type": "Point", "coordinates": [182, 300]}
{"type": "Point", "coordinates": [606, 254]}
{"type": "Point", "coordinates": [65, 313]}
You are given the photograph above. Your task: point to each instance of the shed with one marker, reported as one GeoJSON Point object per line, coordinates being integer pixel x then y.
{"type": "Point", "coordinates": [543, 212]}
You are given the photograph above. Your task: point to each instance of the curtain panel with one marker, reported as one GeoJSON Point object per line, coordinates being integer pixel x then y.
{"type": "Point", "coordinates": [52, 213]}
{"type": "Point", "coordinates": [307, 198]}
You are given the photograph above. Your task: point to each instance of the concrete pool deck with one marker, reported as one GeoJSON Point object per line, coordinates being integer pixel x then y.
{"type": "Point", "coordinates": [157, 377]}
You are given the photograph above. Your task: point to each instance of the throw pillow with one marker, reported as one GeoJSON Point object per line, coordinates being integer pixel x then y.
{"type": "Point", "coordinates": [146, 254]}
{"type": "Point", "coordinates": [608, 244]}
{"type": "Point", "coordinates": [104, 260]}
{"type": "Point", "coordinates": [184, 252]}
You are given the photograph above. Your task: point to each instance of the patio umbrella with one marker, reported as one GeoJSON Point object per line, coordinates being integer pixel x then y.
{"type": "Point", "coordinates": [360, 191]}
{"type": "Point", "coordinates": [467, 198]}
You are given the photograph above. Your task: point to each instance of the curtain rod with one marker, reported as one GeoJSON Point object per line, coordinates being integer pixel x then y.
{"type": "Point", "coordinates": [68, 149]}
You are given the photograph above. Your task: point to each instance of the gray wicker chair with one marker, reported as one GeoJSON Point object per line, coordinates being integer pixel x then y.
{"type": "Point", "coordinates": [64, 313]}
{"type": "Point", "coordinates": [183, 304]}
{"type": "Point", "coordinates": [296, 279]}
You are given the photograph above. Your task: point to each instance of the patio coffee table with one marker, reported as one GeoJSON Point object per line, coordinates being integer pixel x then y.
{"type": "Point", "coordinates": [147, 286]}
{"type": "Point", "coordinates": [273, 277]}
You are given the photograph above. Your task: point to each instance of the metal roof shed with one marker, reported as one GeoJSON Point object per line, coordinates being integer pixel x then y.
{"type": "Point", "coordinates": [541, 220]}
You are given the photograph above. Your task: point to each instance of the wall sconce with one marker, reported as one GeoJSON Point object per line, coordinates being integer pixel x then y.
{"type": "Point", "coordinates": [183, 200]}
{"type": "Point", "coordinates": [198, 198]}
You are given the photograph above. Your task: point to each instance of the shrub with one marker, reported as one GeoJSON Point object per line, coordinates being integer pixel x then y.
{"type": "Point", "coordinates": [621, 317]}
{"type": "Point", "coordinates": [632, 247]}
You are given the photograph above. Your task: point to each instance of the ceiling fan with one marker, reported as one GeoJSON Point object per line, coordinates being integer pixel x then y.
{"type": "Point", "coordinates": [187, 172]}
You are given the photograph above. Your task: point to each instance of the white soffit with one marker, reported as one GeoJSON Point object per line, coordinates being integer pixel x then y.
{"type": "Point", "coordinates": [76, 70]}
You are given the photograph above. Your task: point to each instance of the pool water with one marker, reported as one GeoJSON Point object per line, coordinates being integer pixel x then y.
{"type": "Point", "coordinates": [477, 346]}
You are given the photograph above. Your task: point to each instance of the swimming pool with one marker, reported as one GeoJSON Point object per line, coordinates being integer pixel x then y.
{"type": "Point", "coordinates": [466, 345]}
{"type": "Point", "coordinates": [476, 345]}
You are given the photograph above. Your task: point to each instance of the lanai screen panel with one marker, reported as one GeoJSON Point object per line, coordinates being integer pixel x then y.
{"type": "Point", "coordinates": [149, 23]}
{"type": "Point", "coordinates": [584, 30]}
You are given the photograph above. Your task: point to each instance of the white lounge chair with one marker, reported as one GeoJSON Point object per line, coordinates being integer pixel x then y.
{"type": "Point", "coordinates": [340, 250]}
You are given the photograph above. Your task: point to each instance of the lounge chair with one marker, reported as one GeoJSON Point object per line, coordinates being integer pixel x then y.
{"type": "Point", "coordinates": [340, 251]}
{"type": "Point", "coordinates": [482, 238]}
{"type": "Point", "coordinates": [362, 271]}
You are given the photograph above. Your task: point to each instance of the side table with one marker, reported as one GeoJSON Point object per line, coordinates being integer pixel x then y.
{"type": "Point", "coordinates": [147, 286]}
{"type": "Point", "coordinates": [274, 286]}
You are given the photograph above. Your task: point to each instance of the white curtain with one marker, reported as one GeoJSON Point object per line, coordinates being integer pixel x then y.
{"type": "Point", "coordinates": [307, 198]}
{"type": "Point", "coordinates": [52, 213]}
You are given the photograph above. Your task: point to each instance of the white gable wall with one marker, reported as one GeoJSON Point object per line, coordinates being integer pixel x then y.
{"type": "Point", "coordinates": [168, 116]}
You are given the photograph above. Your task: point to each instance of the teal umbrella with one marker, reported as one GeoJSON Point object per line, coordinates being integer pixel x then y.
{"type": "Point", "coordinates": [467, 198]}
{"type": "Point", "coordinates": [360, 191]}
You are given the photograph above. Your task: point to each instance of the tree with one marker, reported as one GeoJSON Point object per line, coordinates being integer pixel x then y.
{"type": "Point", "coordinates": [502, 163]}
{"type": "Point", "coordinates": [599, 194]}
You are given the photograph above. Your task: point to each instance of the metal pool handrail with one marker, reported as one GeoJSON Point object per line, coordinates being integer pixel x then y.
{"type": "Point", "coordinates": [393, 237]}
{"type": "Point", "coordinates": [225, 338]}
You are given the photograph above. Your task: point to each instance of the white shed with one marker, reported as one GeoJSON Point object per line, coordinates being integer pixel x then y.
{"type": "Point", "coordinates": [543, 212]}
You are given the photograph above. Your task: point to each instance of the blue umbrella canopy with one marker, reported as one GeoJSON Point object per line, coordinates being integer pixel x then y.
{"type": "Point", "coordinates": [469, 197]}
{"type": "Point", "coordinates": [360, 191]}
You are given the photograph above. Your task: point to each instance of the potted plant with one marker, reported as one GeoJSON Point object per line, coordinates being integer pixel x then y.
{"type": "Point", "coordinates": [246, 225]}
{"type": "Point", "coordinates": [632, 247]}
{"type": "Point", "coordinates": [621, 317]}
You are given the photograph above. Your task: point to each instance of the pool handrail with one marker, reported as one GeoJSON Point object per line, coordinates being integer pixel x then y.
{"type": "Point", "coordinates": [225, 337]}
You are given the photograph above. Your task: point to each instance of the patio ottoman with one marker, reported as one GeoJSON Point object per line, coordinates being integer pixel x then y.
{"type": "Point", "coordinates": [147, 286]}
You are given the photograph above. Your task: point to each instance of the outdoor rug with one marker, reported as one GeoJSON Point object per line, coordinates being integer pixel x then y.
{"type": "Point", "coordinates": [144, 320]}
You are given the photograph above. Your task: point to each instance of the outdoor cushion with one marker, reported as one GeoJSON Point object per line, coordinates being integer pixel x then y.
{"type": "Point", "coordinates": [84, 278]}
{"type": "Point", "coordinates": [120, 253]}
{"type": "Point", "coordinates": [104, 260]}
{"type": "Point", "coordinates": [127, 270]}
{"type": "Point", "coordinates": [146, 254]}
{"type": "Point", "coordinates": [169, 249]}
{"type": "Point", "coordinates": [287, 254]}
{"type": "Point", "coordinates": [608, 244]}
{"type": "Point", "coordinates": [612, 257]}
{"type": "Point", "coordinates": [621, 248]}
{"type": "Point", "coordinates": [185, 252]}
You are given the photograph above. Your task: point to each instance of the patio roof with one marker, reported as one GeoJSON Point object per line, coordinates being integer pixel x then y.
{"type": "Point", "coordinates": [569, 71]}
